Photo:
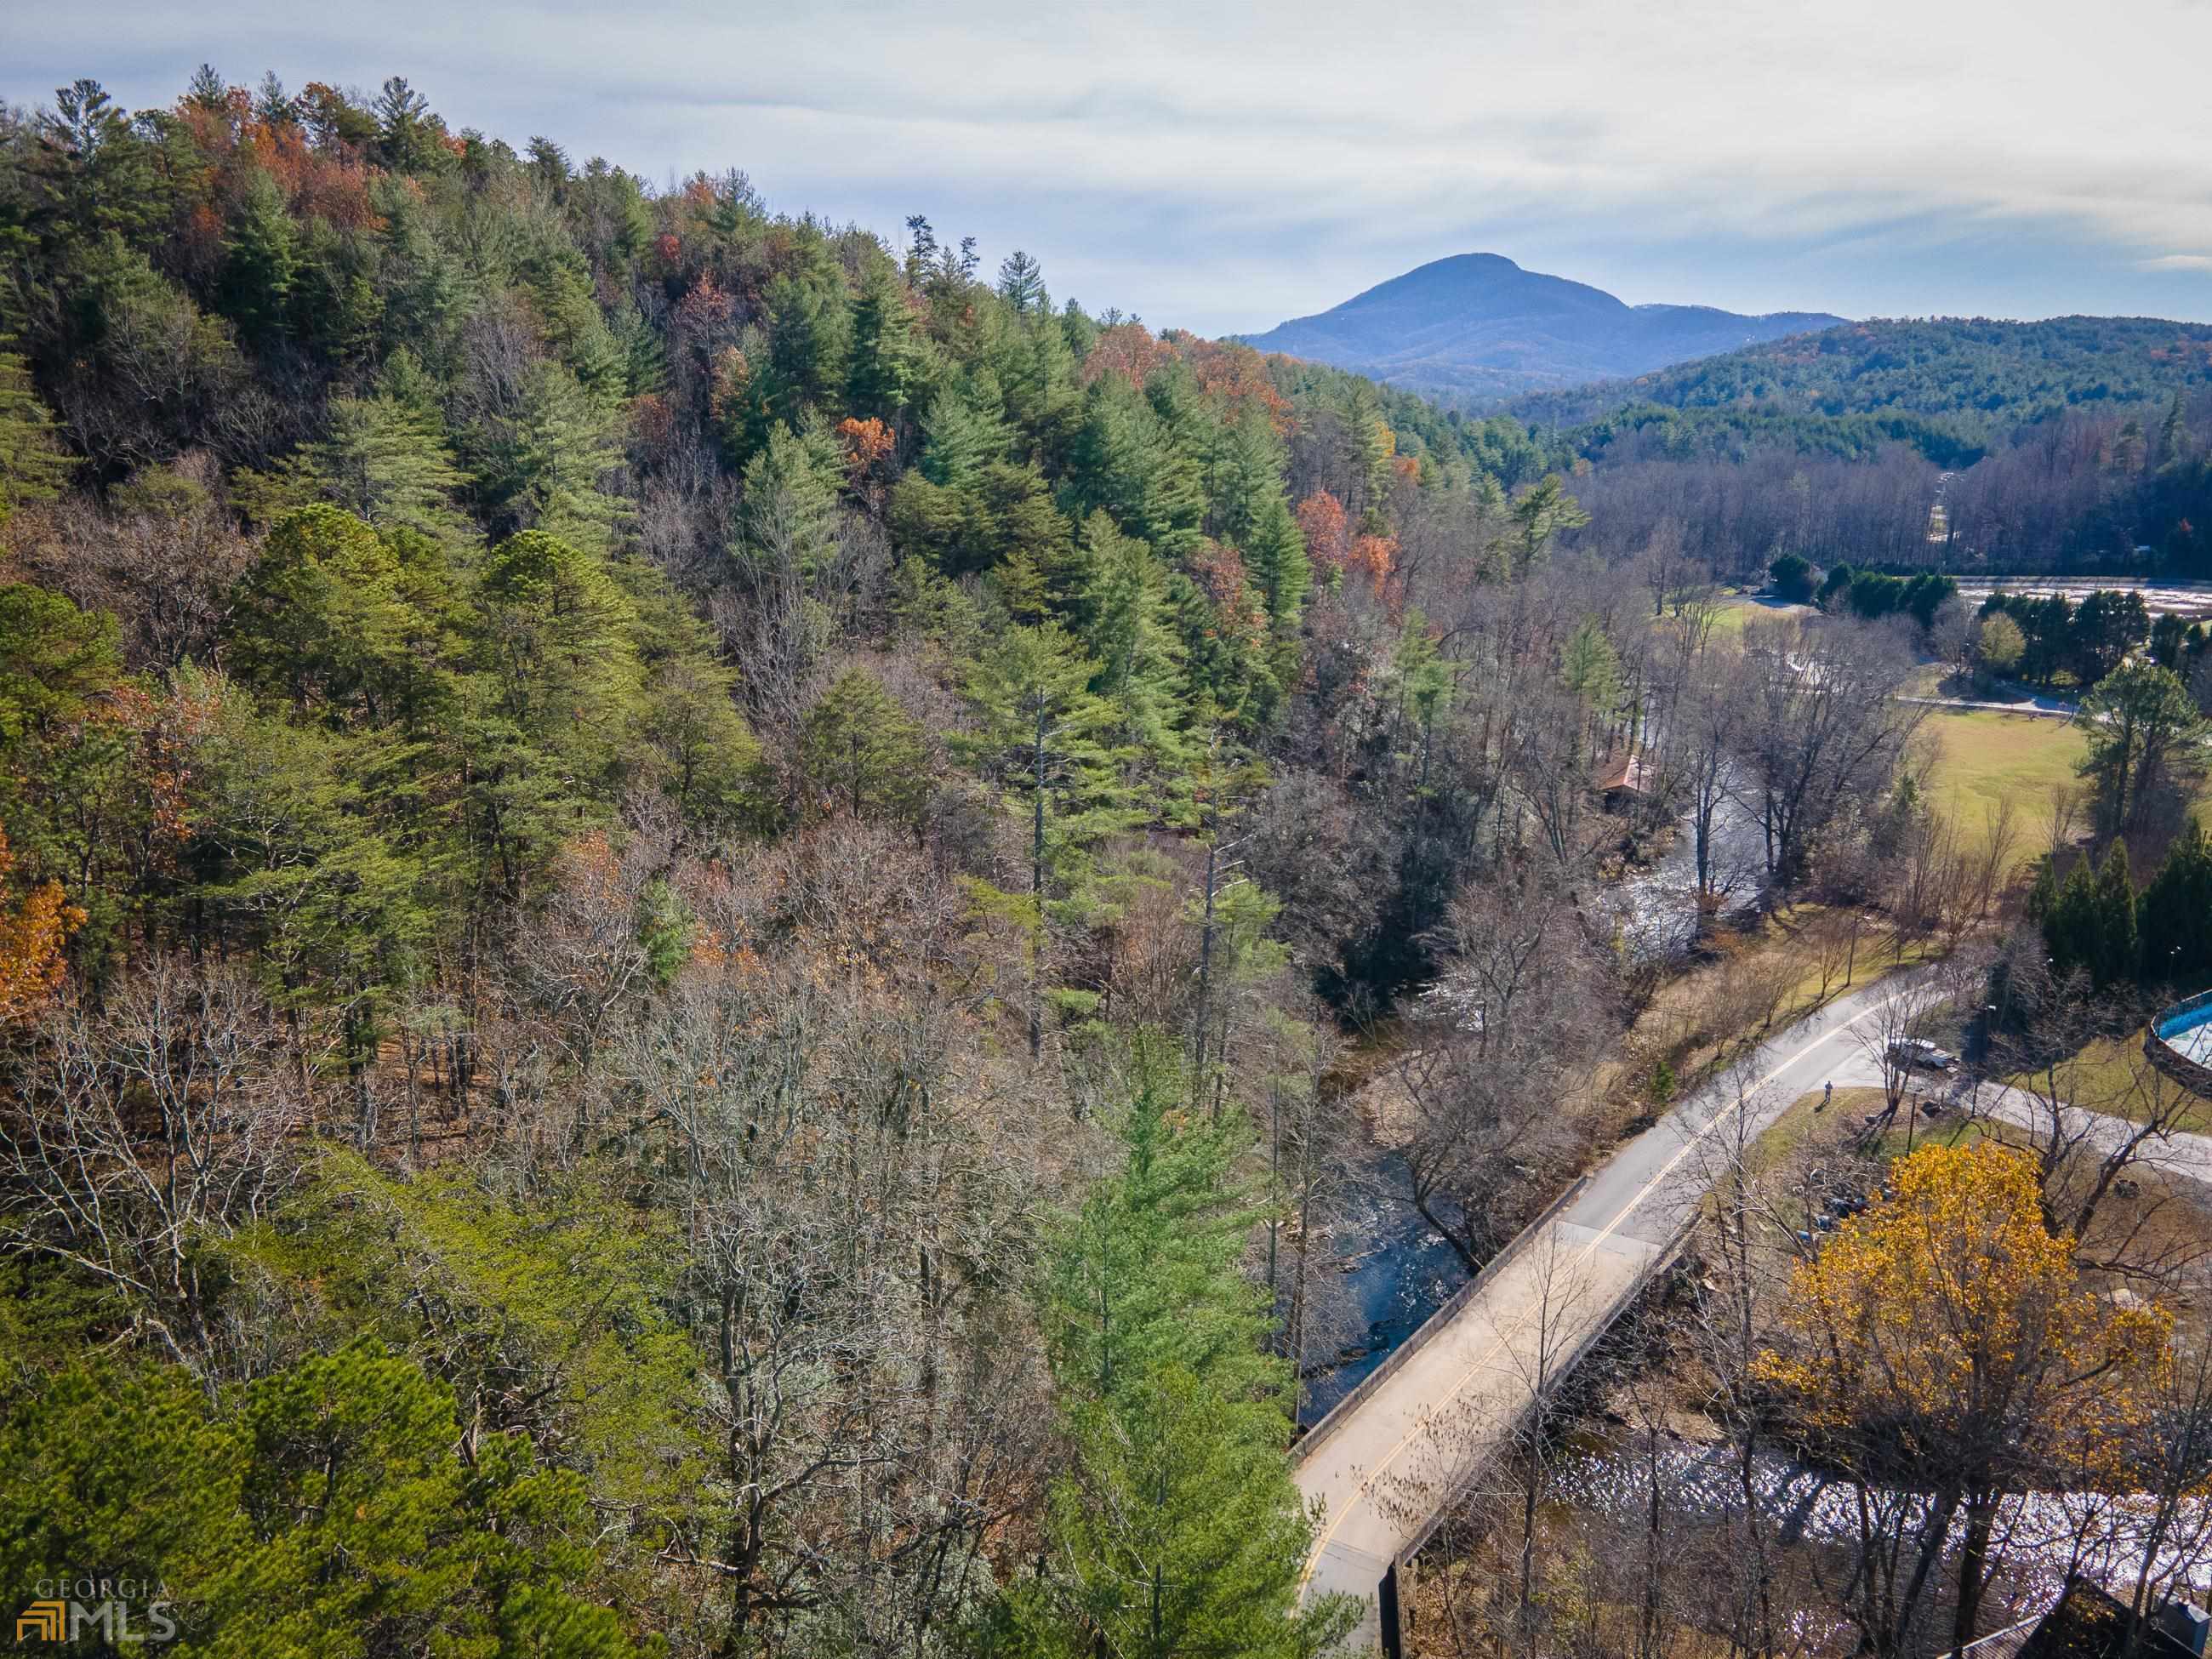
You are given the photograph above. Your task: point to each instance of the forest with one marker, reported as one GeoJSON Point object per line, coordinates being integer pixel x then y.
{"type": "Point", "coordinates": [2074, 444]}
{"type": "Point", "coordinates": [690, 906]}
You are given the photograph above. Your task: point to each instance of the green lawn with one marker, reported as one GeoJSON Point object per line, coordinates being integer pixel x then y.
{"type": "Point", "coordinates": [1983, 758]}
{"type": "Point", "coordinates": [1834, 1126]}
{"type": "Point", "coordinates": [1735, 614]}
{"type": "Point", "coordinates": [2109, 1076]}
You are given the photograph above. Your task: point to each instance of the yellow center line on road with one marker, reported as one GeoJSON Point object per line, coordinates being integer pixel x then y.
{"type": "Point", "coordinates": [1321, 1544]}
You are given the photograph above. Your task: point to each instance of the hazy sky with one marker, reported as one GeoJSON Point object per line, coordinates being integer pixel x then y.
{"type": "Point", "coordinates": [1222, 167]}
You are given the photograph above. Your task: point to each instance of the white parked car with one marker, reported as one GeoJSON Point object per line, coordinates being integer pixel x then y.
{"type": "Point", "coordinates": [1920, 1055]}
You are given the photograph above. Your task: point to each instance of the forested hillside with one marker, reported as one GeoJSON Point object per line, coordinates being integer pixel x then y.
{"type": "Point", "coordinates": [1971, 376]}
{"type": "Point", "coordinates": [694, 913]}
{"type": "Point", "coordinates": [657, 861]}
{"type": "Point", "coordinates": [2079, 444]}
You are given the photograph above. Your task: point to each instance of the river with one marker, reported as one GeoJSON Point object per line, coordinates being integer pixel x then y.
{"type": "Point", "coordinates": [1395, 1271]}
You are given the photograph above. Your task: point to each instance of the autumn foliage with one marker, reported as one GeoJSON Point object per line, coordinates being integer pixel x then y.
{"type": "Point", "coordinates": [32, 935]}
{"type": "Point", "coordinates": [1321, 521]}
{"type": "Point", "coordinates": [1374, 557]}
{"type": "Point", "coordinates": [866, 444]}
{"type": "Point", "coordinates": [1948, 1327]}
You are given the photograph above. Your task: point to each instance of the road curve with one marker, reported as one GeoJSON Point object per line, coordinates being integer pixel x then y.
{"type": "Point", "coordinates": [1383, 1472]}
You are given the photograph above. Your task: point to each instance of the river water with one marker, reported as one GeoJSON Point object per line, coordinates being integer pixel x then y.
{"type": "Point", "coordinates": [1655, 907]}
{"type": "Point", "coordinates": [2044, 1537]}
{"type": "Point", "coordinates": [1395, 1272]}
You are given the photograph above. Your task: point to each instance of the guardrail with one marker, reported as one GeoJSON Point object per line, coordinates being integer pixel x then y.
{"type": "Point", "coordinates": [1661, 1259]}
{"type": "Point", "coordinates": [2190, 1074]}
{"type": "Point", "coordinates": [1334, 1418]}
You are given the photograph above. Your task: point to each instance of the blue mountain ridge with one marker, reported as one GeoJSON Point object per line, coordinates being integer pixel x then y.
{"type": "Point", "coordinates": [1477, 325]}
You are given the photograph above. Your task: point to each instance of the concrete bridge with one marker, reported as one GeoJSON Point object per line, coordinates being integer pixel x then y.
{"type": "Point", "coordinates": [1386, 1464]}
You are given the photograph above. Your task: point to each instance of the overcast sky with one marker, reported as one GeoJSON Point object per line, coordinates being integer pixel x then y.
{"type": "Point", "coordinates": [1222, 166]}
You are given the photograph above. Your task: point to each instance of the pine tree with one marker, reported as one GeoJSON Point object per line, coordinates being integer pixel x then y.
{"type": "Point", "coordinates": [327, 619]}
{"type": "Point", "coordinates": [1178, 1530]}
{"type": "Point", "coordinates": [1021, 284]}
{"type": "Point", "coordinates": [1139, 657]}
{"type": "Point", "coordinates": [2117, 953]}
{"type": "Point", "coordinates": [557, 639]}
{"type": "Point", "coordinates": [2072, 928]}
{"type": "Point", "coordinates": [1045, 737]}
{"type": "Point", "coordinates": [1275, 553]}
{"type": "Point", "coordinates": [789, 516]}
{"type": "Point", "coordinates": [960, 434]}
{"type": "Point", "coordinates": [864, 751]}
{"type": "Point", "coordinates": [566, 443]}
{"type": "Point", "coordinates": [810, 342]}
{"type": "Point", "coordinates": [2174, 918]}
{"type": "Point", "coordinates": [260, 262]}
{"type": "Point", "coordinates": [33, 465]}
{"type": "Point", "coordinates": [1540, 515]}
{"type": "Point", "coordinates": [382, 459]}
{"type": "Point", "coordinates": [2139, 721]}
{"type": "Point", "coordinates": [881, 379]}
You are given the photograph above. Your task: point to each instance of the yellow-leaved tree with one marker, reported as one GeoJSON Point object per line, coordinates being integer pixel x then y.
{"type": "Point", "coordinates": [32, 934]}
{"type": "Point", "coordinates": [1941, 1351]}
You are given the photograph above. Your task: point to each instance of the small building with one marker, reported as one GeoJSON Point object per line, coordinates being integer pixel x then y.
{"type": "Point", "coordinates": [1625, 780]}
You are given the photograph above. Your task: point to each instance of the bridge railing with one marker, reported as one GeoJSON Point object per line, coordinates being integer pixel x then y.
{"type": "Point", "coordinates": [1337, 1415]}
{"type": "Point", "coordinates": [1660, 1258]}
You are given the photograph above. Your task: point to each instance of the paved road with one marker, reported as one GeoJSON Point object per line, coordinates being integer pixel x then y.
{"type": "Point", "coordinates": [2177, 1152]}
{"type": "Point", "coordinates": [2052, 706]}
{"type": "Point", "coordinates": [1385, 1470]}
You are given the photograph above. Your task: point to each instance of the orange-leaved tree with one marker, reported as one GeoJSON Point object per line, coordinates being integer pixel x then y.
{"type": "Point", "coordinates": [1943, 1351]}
{"type": "Point", "coordinates": [32, 934]}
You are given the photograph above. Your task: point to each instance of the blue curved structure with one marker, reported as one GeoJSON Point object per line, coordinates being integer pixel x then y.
{"type": "Point", "coordinates": [2180, 1044]}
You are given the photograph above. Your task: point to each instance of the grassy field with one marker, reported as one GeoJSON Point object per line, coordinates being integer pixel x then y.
{"type": "Point", "coordinates": [1983, 758]}
{"type": "Point", "coordinates": [1810, 1128]}
{"type": "Point", "coordinates": [1735, 613]}
{"type": "Point", "coordinates": [2109, 1076]}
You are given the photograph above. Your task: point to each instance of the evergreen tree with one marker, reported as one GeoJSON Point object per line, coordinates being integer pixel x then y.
{"type": "Point", "coordinates": [865, 752]}
{"type": "Point", "coordinates": [332, 1517]}
{"type": "Point", "coordinates": [565, 445]}
{"type": "Point", "coordinates": [881, 379]}
{"type": "Point", "coordinates": [329, 619]}
{"type": "Point", "coordinates": [2174, 918]}
{"type": "Point", "coordinates": [1021, 284]}
{"type": "Point", "coordinates": [1590, 668]}
{"type": "Point", "coordinates": [1275, 553]}
{"type": "Point", "coordinates": [1139, 657]}
{"type": "Point", "coordinates": [959, 436]}
{"type": "Point", "coordinates": [2139, 722]}
{"type": "Point", "coordinates": [810, 342]}
{"type": "Point", "coordinates": [557, 640]}
{"type": "Point", "coordinates": [788, 517]}
{"type": "Point", "coordinates": [2118, 951]}
{"type": "Point", "coordinates": [1540, 515]}
{"type": "Point", "coordinates": [1044, 737]}
{"type": "Point", "coordinates": [2072, 930]}
{"type": "Point", "coordinates": [32, 466]}
{"type": "Point", "coordinates": [260, 262]}
{"type": "Point", "coordinates": [1178, 1532]}
{"type": "Point", "coordinates": [382, 459]}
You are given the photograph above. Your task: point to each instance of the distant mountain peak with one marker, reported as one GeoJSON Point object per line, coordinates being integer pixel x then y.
{"type": "Point", "coordinates": [1481, 327]}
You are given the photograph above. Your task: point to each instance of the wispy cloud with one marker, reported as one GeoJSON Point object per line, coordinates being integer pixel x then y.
{"type": "Point", "coordinates": [1223, 165]}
